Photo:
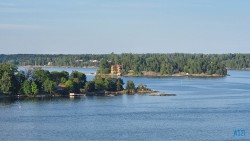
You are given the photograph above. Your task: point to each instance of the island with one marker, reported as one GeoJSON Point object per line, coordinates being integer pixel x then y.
{"type": "Point", "coordinates": [43, 83]}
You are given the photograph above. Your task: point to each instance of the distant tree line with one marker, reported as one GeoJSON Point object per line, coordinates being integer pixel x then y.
{"type": "Point", "coordinates": [161, 63]}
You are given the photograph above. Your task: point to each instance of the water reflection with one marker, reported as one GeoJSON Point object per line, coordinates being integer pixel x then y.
{"type": "Point", "coordinates": [9, 101]}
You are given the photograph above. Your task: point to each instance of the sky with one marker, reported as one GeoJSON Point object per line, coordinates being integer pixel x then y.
{"type": "Point", "coordinates": [124, 26]}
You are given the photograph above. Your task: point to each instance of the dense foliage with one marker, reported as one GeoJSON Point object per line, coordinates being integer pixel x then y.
{"type": "Point", "coordinates": [8, 79]}
{"type": "Point", "coordinates": [107, 84]}
{"type": "Point", "coordinates": [161, 63]}
{"type": "Point", "coordinates": [39, 81]}
{"type": "Point", "coordinates": [130, 86]}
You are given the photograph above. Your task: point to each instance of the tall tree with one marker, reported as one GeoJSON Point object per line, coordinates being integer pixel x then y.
{"type": "Point", "coordinates": [39, 76]}
{"type": "Point", "coordinates": [49, 86]}
{"type": "Point", "coordinates": [99, 84]}
{"type": "Point", "coordinates": [19, 80]}
{"type": "Point", "coordinates": [104, 67]}
{"type": "Point", "coordinates": [27, 87]}
{"type": "Point", "coordinates": [5, 83]}
{"type": "Point", "coordinates": [130, 86]}
{"type": "Point", "coordinates": [90, 86]}
{"type": "Point", "coordinates": [110, 84]}
{"type": "Point", "coordinates": [59, 77]}
{"type": "Point", "coordinates": [78, 79]}
{"type": "Point", "coordinates": [8, 82]}
{"type": "Point", "coordinates": [34, 88]}
{"type": "Point", "coordinates": [119, 84]}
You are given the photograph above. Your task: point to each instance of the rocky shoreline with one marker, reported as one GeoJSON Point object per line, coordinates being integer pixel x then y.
{"type": "Point", "coordinates": [154, 74]}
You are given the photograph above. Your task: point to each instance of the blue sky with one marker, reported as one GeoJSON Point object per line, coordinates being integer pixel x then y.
{"type": "Point", "coordinates": [124, 26]}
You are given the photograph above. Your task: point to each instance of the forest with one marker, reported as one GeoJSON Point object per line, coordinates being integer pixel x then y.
{"type": "Point", "coordinates": [137, 63]}
{"type": "Point", "coordinates": [38, 81]}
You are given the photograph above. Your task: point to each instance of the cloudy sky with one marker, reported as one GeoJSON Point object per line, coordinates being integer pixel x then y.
{"type": "Point", "coordinates": [122, 26]}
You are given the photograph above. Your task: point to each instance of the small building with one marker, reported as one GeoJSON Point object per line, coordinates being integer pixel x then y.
{"type": "Point", "coordinates": [94, 61]}
{"type": "Point", "coordinates": [61, 87]}
{"type": "Point", "coordinates": [50, 63]}
{"type": "Point", "coordinates": [116, 70]}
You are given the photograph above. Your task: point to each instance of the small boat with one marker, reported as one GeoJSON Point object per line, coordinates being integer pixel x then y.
{"type": "Point", "coordinates": [73, 94]}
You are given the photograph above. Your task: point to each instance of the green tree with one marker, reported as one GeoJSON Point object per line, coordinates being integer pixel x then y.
{"type": "Point", "coordinates": [119, 84]}
{"type": "Point", "coordinates": [27, 87]}
{"type": "Point", "coordinates": [34, 88]}
{"type": "Point", "coordinates": [63, 80]}
{"type": "Point", "coordinates": [90, 86]}
{"type": "Point", "coordinates": [110, 84]}
{"type": "Point", "coordinates": [39, 76]}
{"type": "Point", "coordinates": [99, 84]}
{"type": "Point", "coordinates": [8, 83]}
{"type": "Point", "coordinates": [78, 79]}
{"type": "Point", "coordinates": [163, 69]}
{"type": "Point", "coordinates": [104, 66]}
{"type": "Point", "coordinates": [69, 85]}
{"type": "Point", "coordinates": [20, 78]}
{"type": "Point", "coordinates": [72, 86]}
{"type": "Point", "coordinates": [49, 86]}
{"type": "Point", "coordinates": [130, 86]}
{"type": "Point", "coordinates": [59, 77]}
{"type": "Point", "coordinates": [5, 83]}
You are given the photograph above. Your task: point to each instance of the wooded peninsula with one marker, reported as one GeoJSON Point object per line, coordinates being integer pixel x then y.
{"type": "Point", "coordinates": [34, 82]}
{"type": "Point", "coordinates": [139, 64]}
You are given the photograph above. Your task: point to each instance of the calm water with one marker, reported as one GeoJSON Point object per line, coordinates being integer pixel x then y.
{"type": "Point", "coordinates": [204, 109]}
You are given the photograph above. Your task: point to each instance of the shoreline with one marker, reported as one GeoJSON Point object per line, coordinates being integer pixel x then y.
{"type": "Point", "coordinates": [178, 75]}
{"type": "Point", "coordinates": [46, 66]}
{"type": "Point", "coordinates": [144, 74]}
{"type": "Point", "coordinates": [181, 74]}
{"type": "Point", "coordinates": [241, 69]}
{"type": "Point", "coordinates": [31, 66]}
{"type": "Point", "coordinates": [95, 93]}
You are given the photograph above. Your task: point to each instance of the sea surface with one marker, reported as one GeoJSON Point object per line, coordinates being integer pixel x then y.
{"type": "Point", "coordinates": [213, 109]}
